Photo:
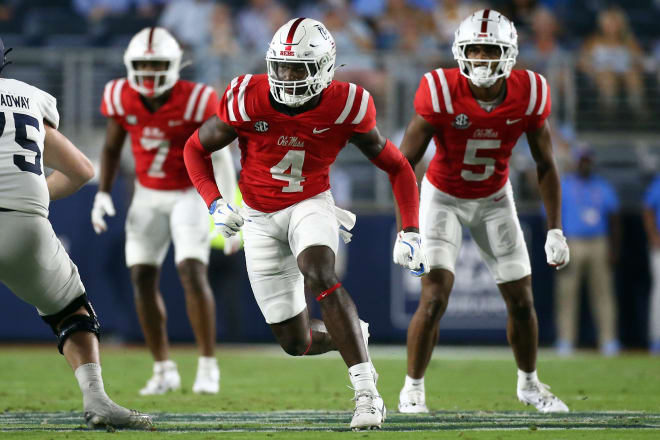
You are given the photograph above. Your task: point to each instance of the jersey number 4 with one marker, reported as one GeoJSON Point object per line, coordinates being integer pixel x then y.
{"type": "Point", "coordinates": [21, 122]}
{"type": "Point", "coordinates": [471, 158]}
{"type": "Point", "coordinates": [292, 159]}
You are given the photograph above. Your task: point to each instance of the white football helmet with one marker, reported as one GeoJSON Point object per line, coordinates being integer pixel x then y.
{"type": "Point", "coordinates": [306, 42]}
{"type": "Point", "coordinates": [486, 26]}
{"type": "Point", "coordinates": [153, 44]}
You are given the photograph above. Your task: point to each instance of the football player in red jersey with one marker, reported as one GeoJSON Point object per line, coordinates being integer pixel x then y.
{"type": "Point", "coordinates": [291, 123]}
{"type": "Point", "coordinates": [159, 112]}
{"type": "Point", "coordinates": [476, 113]}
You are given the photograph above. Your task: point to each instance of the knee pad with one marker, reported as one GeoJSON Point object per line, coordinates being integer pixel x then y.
{"type": "Point", "coordinates": [74, 323]}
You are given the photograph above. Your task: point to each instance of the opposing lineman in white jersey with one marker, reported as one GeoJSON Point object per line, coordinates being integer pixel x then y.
{"type": "Point", "coordinates": [33, 263]}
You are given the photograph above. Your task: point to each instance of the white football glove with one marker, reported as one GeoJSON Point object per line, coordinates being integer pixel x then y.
{"type": "Point", "coordinates": [556, 249]}
{"type": "Point", "coordinates": [408, 252]}
{"type": "Point", "coordinates": [102, 206]}
{"type": "Point", "coordinates": [226, 218]}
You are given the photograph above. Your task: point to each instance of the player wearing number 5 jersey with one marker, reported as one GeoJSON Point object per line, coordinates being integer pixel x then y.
{"type": "Point", "coordinates": [290, 125]}
{"type": "Point", "coordinates": [159, 112]}
{"type": "Point", "coordinates": [476, 113]}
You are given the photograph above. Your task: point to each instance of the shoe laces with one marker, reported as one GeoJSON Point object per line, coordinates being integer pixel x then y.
{"type": "Point", "coordinates": [364, 402]}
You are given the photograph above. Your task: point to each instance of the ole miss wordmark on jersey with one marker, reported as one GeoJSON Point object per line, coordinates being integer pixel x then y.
{"type": "Point", "coordinates": [287, 158]}
{"type": "Point", "coordinates": [473, 145]}
{"type": "Point", "coordinates": [158, 138]}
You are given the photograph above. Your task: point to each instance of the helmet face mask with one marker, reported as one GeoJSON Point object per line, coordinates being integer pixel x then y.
{"type": "Point", "coordinates": [150, 75]}
{"type": "Point", "coordinates": [488, 29]}
{"type": "Point", "coordinates": [300, 61]}
{"type": "Point", "coordinates": [153, 61]}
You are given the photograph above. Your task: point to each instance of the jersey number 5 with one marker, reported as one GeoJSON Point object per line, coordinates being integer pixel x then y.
{"type": "Point", "coordinates": [292, 159]}
{"type": "Point", "coordinates": [471, 158]}
{"type": "Point", "coordinates": [21, 122]}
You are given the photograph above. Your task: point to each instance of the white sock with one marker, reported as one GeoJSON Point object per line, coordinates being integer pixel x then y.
{"type": "Point", "coordinates": [414, 383]}
{"type": "Point", "coordinates": [361, 377]}
{"type": "Point", "coordinates": [90, 382]}
{"type": "Point", "coordinates": [207, 362]}
{"type": "Point", "coordinates": [160, 366]}
{"type": "Point", "coordinates": [524, 377]}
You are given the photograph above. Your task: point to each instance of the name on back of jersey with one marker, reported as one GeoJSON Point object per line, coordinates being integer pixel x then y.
{"type": "Point", "coordinates": [7, 100]}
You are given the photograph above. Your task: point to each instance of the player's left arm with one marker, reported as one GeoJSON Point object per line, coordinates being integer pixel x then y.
{"type": "Point", "coordinates": [540, 145]}
{"type": "Point", "coordinates": [382, 153]}
{"type": "Point", "coordinates": [72, 168]}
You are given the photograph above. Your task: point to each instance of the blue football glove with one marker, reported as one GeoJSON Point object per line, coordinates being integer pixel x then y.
{"type": "Point", "coordinates": [226, 218]}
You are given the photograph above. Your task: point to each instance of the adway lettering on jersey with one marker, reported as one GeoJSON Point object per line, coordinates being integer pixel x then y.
{"type": "Point", "coordinates": [290, 141]}
{"type": "Point", "coordinates": [14, 101]}
{"type": "Point", "coordinates": [485, 133]}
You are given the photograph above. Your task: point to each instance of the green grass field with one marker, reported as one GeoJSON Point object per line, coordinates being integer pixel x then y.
{"type": "Point", "coordinates": [265, 394]}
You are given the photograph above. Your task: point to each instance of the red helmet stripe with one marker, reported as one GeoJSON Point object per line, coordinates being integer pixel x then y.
{"type": "Point", "coordinates": [292, 32]}
{"type": "Point", "coordinates": [484, 23]}
{"type": "Point", "coordinates": [151, 37]}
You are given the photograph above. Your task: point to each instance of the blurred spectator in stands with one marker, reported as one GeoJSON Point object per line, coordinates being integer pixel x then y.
{"type": "Point", "coordinates": [592, 227]}
{"type": "Point", "coordinates": [7, 10]}
{"type": "Point", "coordinates": [520, 12]}
{"type": "Point", "coordinates": [189, 21]}
{"type": "Point", "coordinates": [652, 227]}
{"type": "Point", "coordinates": [396, 18]}
{"type": "Point", "coordinates": [543, 52]}
{"type": "Point", "coordinates": [612, 58]}
{"type": "Point", "coordinates": [258, 21]}
{"type": "Point", "coordinates": [447, 15]}
{"type": "Point", "coordinates": [96, 10]}
{"type": "Point", "coordinates": [224, 58]}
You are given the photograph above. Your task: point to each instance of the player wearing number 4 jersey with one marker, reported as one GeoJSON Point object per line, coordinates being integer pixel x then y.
{"type": "Point", "coordinates": [476, 113]}
{"type": "Point", "coordinates": [290, 125]}
{"type": "Point", "coordinates": [159, 112]}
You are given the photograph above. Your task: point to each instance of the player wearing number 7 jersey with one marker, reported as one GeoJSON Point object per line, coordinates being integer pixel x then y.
{"type": "Point", "coordinates": [290, 125]}
{"type": "Point", "coordinates": [476, 113]}
{"type": "Point", "coordinates": [159, 112]}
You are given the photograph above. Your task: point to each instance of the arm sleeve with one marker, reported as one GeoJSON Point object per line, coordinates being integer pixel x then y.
{"type": "Point", "coordinates": [404, 183]}
{"type": "Point", "coordinates": [200, 169]}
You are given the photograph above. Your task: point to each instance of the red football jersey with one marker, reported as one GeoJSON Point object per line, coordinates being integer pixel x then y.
{"type": "Point", "coordinates": [473, 145]}
{"type": "Point", "coordinates": [286, 158]}
{"type": "Point", "coordinates": [157, 139]}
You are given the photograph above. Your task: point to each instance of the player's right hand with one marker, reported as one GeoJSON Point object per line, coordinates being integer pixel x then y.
{"type": "Point", "coordinates": [408, 252]}
{"type": "Point", "coordinates": [226, 218]}
{"type": "Point", "coordinates": [556, 249]}
{"type": "Point", "coordinates": [102, 206]}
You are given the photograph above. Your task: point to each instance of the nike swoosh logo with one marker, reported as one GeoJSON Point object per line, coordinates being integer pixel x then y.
{"type": "Point", "coordinates": [497, 199]}
{"type": "Point", "coordinates": [512, 121]}
{"type": "Point", "coordinates": [317, 131]}
{"type": "Point", "coordinates": [174, 123]}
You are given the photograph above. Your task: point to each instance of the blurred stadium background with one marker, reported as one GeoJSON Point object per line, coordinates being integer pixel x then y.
{"type": "Point", "coordinates": [605, 96]}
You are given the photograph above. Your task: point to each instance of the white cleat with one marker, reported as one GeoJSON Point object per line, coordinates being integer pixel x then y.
{"type": "Point", "coordinates": [538, 395]}
{"type": "Point", "coordinates": [365, 335]}
{"type": "Point", "coordinates": [208, 377]}
{"type": "Point", "coordinates": [166, 378]}
{"type": "Point", "coordinates": [369, 411]}
{"type": "Point", "coordinates": [412, 400]}
{"type": "Point", "coordinates": [107, 414]}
